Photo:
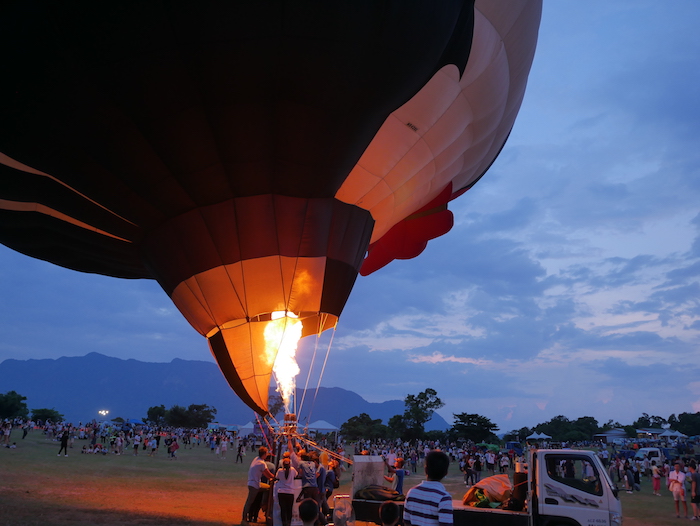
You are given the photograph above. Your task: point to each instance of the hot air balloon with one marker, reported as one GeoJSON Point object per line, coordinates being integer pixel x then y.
{"type": "Point", "coordinates": [250, 156]}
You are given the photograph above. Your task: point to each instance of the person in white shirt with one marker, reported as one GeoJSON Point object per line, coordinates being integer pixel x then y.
{"type": "Point", "coordinates": [676, 483]}
{"type": "Point", "coordinates": [258, 469]}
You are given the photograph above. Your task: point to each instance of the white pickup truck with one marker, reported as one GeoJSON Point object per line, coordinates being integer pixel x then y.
{"type": "Point", "coordinates": [564, 487]}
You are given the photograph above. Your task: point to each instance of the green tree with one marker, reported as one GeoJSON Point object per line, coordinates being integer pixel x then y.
{"type": "Point", "coordinates": [657, 421]}
{"type": "Point", "coordinates": [583, 428]}
{"type": "Point", "coordinates": [631, 431]}
{"type": "Point", "coordinates": [397, 427]}
{"type": "Point", "coordinates": [688, 423]}
{"type": "Point", "coordinates": [362, 426]}
{"type": "Point", "coordinates": [673, 422]}
{"type": "Point", "coordinates": [47, 414]}
{"type": "Point", "coordinates": [199, 415]}
{"type": "Point", "coordinates": [156, 415]}
{"type": "Point", "coordinates": [196, 415]}
{"type": "Point", "coordinates": [419, 409]}
{"type": "Point", "coordinates": [642, 421]}
{"type": "Point", "coordinates": [557, 427]}
{"type": "Point", "coordinates": [649, 421]}
{"type": "Point", "coordinates": [176, 416]}
{"type": "Point", "coordinates": [517, 435]}
{"type": "Point", "coordinates": [12, 405]}
{"type": "Point", "coordinates": [473, 427]}
{"type": "Point", "coordinates": [611, 424]}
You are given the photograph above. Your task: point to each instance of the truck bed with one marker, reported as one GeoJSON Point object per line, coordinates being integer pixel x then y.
{"type": "Point", "coordinates": [468, 515]}
{"type": "Point", "coordinates": [368, 511]}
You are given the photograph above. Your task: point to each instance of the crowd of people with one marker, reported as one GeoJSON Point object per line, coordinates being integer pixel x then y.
{"type": "Point", "coordinates": [121, 439]}
{"type": "Point", "coordinates": [318, 471]}
{"type": "Point", "coordinates": [679, 474]}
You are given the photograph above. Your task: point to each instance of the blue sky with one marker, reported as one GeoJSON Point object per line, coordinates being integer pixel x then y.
{"type": "Point", "coordinates": [570, 283]}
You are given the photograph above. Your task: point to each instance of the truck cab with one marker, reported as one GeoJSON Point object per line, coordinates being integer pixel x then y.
{"type": "Point", "coordinates": [569, 487]}
{"type": "Point", "coordinates": [560, 487]}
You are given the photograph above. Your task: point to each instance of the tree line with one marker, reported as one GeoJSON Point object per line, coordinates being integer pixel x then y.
{"type": "Point", "coordinates": [410, 425]}
{"type": "Point", "coordinates": [561, 429]}
{"type": "Point", "coordinates": [478, 428]}
{"type": "Point", "coordinates": [12, 405]}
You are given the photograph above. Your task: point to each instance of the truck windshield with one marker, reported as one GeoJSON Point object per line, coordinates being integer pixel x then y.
{"type": "Point", "coordinates": [575, 471]}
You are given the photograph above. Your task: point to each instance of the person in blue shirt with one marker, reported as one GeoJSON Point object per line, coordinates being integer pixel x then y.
{"type": "Point", "coordinates": [397, 473]}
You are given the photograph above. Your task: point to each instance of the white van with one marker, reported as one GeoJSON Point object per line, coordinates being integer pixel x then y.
{"type": "Point", "coordinates": [652, 453]}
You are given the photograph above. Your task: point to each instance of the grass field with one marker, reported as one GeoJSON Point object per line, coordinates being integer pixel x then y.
{"type": "Point", "coordinates": [198, 489]}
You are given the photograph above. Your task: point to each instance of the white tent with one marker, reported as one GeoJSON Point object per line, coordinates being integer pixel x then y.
{"type": "Point", "coordinates": [538, 436]}
{"type": "Point", "coordinates": [246, 429]}
{"type": "Point", "coordinates": [322, 426]}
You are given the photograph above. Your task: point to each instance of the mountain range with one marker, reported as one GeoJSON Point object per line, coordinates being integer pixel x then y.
{"type": "Point", "coordinates": [79, 387]}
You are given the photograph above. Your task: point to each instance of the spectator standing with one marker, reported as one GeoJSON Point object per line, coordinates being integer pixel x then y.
{"type": "Point", "coordinates": [676, 483]}
{"type": "Point", "coordinates": [477, 468]}
{"type": "Point", "coordinates": [137, 443]}
{"type": "Point", "coordinates": [224, 447]}
{"type": "Point", "coordinates": [655, 479]}
{"type": "Point", "coordinates": [64, 443]}
{"type": "Point", "coordinates": [429, 504]}
{"type": "Point", "coordinates": [397, 474]}
{"type": "Point", "coordinates": [694, 489]}
{"type": "Point", "coordinates": [285, 491]}
{"type": "Point", "coordinates": [256, 471]}
{"type": "Point", "coordinates": [490, 462]}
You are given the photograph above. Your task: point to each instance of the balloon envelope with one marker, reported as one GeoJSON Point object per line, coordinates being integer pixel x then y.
{"type": "Point", "coordinates": [249, 155]}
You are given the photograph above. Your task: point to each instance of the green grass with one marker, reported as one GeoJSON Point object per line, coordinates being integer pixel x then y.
{"type": "Point", "coordinates": [198, 489]}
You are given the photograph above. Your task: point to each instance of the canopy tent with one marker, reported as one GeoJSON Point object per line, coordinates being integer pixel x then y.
{"type": "Point", "coordinates": [322, 426]}
{"type": "Point", "coordinates": [246, 429]}
{"type": "Point", "coordinates": [538, 436]}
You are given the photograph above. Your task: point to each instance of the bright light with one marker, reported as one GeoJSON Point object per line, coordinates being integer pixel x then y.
{"type": "Point", "coordinates": [103, 412]}
{"type": "Point", "coordinates": [282, 334]}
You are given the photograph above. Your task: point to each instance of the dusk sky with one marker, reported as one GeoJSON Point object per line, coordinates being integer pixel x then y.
{"type": "Point", "coordinates": [569, 285]}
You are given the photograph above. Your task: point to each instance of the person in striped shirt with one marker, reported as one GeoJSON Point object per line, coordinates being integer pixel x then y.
{"type": "Point", "coordinates": [428, 503]}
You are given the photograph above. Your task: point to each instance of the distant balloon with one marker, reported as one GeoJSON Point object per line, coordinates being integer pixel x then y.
{"type": "Point", "coordinates": [251, 156]}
